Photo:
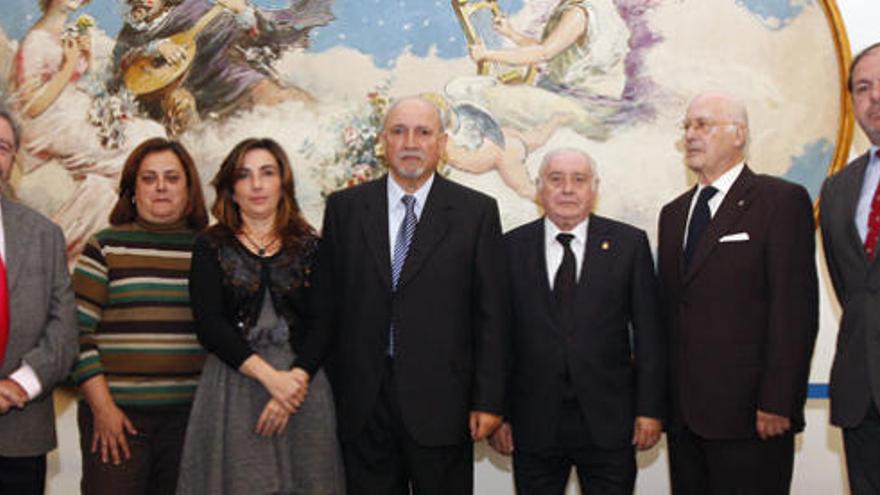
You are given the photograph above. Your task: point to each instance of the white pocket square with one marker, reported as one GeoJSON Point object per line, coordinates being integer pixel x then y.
{"type": "Point", "coordinates": [738, 237]}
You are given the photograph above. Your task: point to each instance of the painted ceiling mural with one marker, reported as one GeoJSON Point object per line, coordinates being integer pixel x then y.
{"type": "Point", "coordinates": [514, 78]}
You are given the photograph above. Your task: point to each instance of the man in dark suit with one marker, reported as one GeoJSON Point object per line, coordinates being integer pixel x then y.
{"type": "Point", "coordinates": [411, 282]}
{"type": "Point", "coordinates": [589, 352]}
{"type": "Point", "coordinates": [740, 296]}
{"type": "Point", "coordinates": [850, 218]}
{"type": "Point", "coordinates": [38, 336]}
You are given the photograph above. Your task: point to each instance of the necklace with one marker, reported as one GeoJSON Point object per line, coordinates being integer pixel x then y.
{"type": "Point", "coordinates": [261, 248]}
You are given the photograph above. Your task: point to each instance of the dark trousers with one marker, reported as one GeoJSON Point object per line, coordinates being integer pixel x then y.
{"type": "Point", "coordinates": [700, 466]}
{"type": "Point", "coordinates": [155, 453]}
{"type": "Point", "coordinates": [385, 460]}
{"type": "Point", "coordinates": [23, 475]}
{"type": "Point", "coordinates": [599, 470]}
{"type": "Point", "coordinates": [862, 446]}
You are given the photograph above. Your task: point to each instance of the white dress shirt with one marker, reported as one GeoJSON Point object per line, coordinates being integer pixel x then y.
{"type": "Point", "coordinates": [722, 184]}
{"type": "Point", "coordinates": [869, 185]}
{"type": "Point", "coordinates": [397, 210]}
{"type": "Point", "coordinates": [553, 249]}
{"type": "Point", "coordinates": [24, 375]}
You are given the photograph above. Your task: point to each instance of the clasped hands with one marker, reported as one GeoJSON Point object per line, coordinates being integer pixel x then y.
{"type": "Point", "coordinates": [288, 390]}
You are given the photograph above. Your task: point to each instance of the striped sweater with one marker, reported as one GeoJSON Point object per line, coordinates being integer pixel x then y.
{"type": "Point", "coordinates": [134, 317]}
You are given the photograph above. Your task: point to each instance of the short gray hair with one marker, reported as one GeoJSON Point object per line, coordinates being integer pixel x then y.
{"type": "Point", "coordinates": [556, 152]}
{"type": "Point", "coordinates": [6, 115]}
{"type": "Point", "coordinates": [441, 117]}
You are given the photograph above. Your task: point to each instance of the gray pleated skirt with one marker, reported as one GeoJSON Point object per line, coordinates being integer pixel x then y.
{"type": "Point", "coordinates": [222, 453]}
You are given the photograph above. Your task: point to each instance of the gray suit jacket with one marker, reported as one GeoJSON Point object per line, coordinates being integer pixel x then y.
{"type": "Point", "coordinates": [42, 330]}
{"type": "Point", "coordinates": [855, 374]}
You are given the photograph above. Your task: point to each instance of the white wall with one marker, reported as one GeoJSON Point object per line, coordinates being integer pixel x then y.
{"type": "Point", "coordinates": [819, 466]}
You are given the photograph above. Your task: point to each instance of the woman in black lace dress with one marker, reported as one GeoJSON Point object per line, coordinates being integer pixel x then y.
{"type": "Point", "coordinates": [263, 419]}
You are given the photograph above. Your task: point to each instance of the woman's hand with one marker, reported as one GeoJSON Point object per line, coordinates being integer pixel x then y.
{"type": "Point", "coordinates": [477, 52]}
{"type": "Point", "coordinates": [273, 419]}
{"type": "Point", "coordinates": [110, 426]}
{"type": "Point", "coordinates": [289, 387]}
{"type": "Point", "coordinates": [501, 25]}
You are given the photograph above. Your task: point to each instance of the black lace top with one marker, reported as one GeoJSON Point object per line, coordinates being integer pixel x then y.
{"type": "Point", "coordinates": [228, 283]}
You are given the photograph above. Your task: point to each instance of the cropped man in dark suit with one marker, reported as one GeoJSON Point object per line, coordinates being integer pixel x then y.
{"type": "Point", "coordinates": [411, 282]}
{"type": "Point", "coordinates": [38, 336]}
{"type": "Point", "coordinates": [739, 290]}
{"type": "Point", "coordinates": [589, 352]}
{"type": "Point", "coordinates": [850, 218]}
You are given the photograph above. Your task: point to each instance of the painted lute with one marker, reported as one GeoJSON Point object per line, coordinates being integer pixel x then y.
{"type": "Point", "coordinates": [151, 73]}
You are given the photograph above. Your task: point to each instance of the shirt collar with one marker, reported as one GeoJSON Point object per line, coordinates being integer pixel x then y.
{"type": "Point", "coordinates": [579, 231]}
{"type": "Point", "coordinates": [725, 182]}
{"type": "Point", "coordinates": [395, 192]}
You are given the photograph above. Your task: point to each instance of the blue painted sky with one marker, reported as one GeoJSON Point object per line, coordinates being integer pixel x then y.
{"type": "Point", "coordinates": [810, 167]}
{"type": "Point", "coordinates": [381, 28]}
{"type": "Point", "coordinates": [775, 14]}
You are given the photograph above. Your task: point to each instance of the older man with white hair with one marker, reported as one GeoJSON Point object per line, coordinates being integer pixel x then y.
{"type": "Point", "coordinates": [589, 368]}
{"type": "Point", "coordinates": [738, 276]}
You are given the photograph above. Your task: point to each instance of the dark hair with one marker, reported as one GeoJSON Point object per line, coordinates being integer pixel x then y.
{"type": "Point", "coordinates": [290, 225]}
{"type": "Point", "coordinates": [6, 115]}
{"type": "Point", "coordinates": [855, 62]}
{"type": "Point", "coordinates": [125, 211]}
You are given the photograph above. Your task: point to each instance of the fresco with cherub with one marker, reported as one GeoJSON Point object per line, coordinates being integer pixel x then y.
{"type": "Point", "coordinates": [514, 78]}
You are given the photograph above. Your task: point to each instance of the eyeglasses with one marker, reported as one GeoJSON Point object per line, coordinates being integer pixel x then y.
{"type": "Point", "coordinates": [702, 126]}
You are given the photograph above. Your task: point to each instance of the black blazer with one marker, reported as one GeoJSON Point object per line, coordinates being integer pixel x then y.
{"type": "Point", "coordinates": [743, 318]}
{"type": "Point", "coordinates": [450, 311]}
{"type": "Point", "coordinates": [616, 352]}
{"type": "Point", "coordinates": [855, 374]}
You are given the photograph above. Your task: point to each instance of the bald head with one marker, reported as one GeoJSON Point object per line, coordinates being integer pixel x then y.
{"type": "Point", "coordinates": [716, 135]}
{"type": "Point", "coordinates": [415, 101]}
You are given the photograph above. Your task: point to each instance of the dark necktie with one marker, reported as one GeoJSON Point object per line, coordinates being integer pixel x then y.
{"type": "Point", "coordinates": [699, 220]}
{"type": "Point", "coordinates": [4, 311]}
{"type": "Point", "coordinates": [565, 279]}
{"type": "Point", "coordinates": [873, 233]}
{"type": "Point", "coordinates": [401, 248]}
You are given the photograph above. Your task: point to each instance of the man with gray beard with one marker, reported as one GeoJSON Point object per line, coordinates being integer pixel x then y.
{"type": "Point", "coordinates": [411, 288]}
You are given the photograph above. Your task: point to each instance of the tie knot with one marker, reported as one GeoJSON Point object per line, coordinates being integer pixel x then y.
{"type": "Point", "coordinates": [707, 193]}
{"type": "Point", "coordinates": [564, 238]}
{"type": "Point", "coordinates": [409, 201]}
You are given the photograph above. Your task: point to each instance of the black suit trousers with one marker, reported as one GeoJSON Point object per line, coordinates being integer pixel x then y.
{"type": "Point", "coordinates": [751, 466]}
{"type": "Point", "coordinates": [22, 475]}
{"type": "Point", "coordinates": [384, 459]}
{"type": "Point", "coordinates": [599, 470]}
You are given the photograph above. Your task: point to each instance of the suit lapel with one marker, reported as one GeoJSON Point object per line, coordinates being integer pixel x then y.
{"type": "Point", "coordinates": [432, 227]}
{"type": "Point", "coordinates": [595, 264]}
{"type": "Point", "coordinates": [375, 227]}
{"type": "Point", "coordinates": [17, 240]}
{"type": "Point", "coordinates": [679, 214]}
{"type": "Point", "coordinates": [852, 190]}
{"type": "Point", "coordinates": [735, 203]}
{"type": "Point", "coordinates": [538, 262]}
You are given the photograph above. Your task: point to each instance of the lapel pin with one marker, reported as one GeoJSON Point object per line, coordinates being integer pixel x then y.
{"type": "Point", "coordinates": [741, 203]}
{"type": "Point", "coordinates": [606, 245]}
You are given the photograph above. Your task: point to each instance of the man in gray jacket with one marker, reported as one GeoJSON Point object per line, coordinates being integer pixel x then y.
{"type": "Point", "coordinates": [38, 336]}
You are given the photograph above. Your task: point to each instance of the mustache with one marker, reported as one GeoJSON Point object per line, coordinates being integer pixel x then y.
{"type": "Point", "coordinates": [410, 154]}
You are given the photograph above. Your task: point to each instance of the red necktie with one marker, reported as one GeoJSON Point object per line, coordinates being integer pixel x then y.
{"type": "Point", "coordinates": [4, 311]}
{"type": "Point", "coordinates": [873, 222]}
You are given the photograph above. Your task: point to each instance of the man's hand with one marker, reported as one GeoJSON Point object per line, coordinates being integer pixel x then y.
{"type": "Point", "coordinates": [647, 432]}
{"type": "Point", "coordinates": [771, 425]}
{"type": "Point", "coordinates": [482, 424]}
{"type": "Point", "coordinates": [11, 395]}
{"type": "Point", "coordinates": [502, 439]}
